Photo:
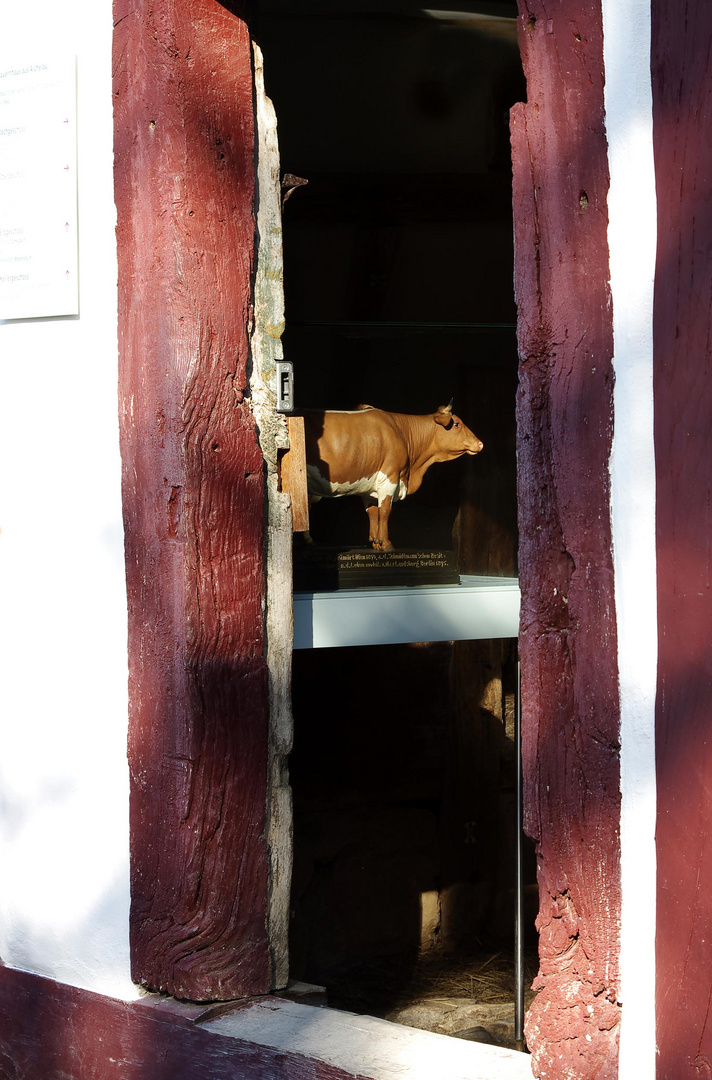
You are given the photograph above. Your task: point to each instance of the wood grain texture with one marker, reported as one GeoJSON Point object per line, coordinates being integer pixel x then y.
{"type": "Point", "coordinates": [294, 474]}
{"type": "Point", "coordinates": [50, 1031]}
{"type": "Point", "coordinates": [193, 489]}
{"type": "Point", "coordinates": [682, 124]}
{"type": "Point", "coordinates": [568, 634]}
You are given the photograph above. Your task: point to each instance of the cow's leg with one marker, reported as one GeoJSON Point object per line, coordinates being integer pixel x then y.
{"type": "Point", "coordinates": [372, 511]}
{"type": "Point", "coordinates": [384, 511]}
{"type": "Point", "coordinates": [378, 522]}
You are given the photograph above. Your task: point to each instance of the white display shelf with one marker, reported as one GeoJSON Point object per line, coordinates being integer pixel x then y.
{"type": "Point", "coordinates": [478, 608]}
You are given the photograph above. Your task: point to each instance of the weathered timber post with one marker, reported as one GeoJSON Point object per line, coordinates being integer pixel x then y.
{"type": "Point", "coordinates": [194, 499]}
{"type": "Point", "coordinates": [568, 632]}
{"type": "Point", "coordinates": [682, 132]}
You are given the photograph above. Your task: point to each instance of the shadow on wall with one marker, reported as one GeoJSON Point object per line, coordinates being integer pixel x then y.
{"type": "Point", "coordinates": [65, 905]}
{"type": "Point", "coordinates": [89, 948]}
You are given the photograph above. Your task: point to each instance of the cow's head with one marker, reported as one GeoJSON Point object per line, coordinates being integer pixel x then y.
{"type": "Point", "coordinates": [454, 437]}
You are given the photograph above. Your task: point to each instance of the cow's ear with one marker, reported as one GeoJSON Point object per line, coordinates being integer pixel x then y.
{"type": "Point", "coordinates": [444, 415]}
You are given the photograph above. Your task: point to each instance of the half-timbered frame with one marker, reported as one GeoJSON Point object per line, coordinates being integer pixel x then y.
{"type": "Point", "coordinates": [614, 497]}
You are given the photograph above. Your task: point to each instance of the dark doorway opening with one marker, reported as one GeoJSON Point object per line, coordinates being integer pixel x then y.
{"type": "Point", "coordinates": [398, 288]}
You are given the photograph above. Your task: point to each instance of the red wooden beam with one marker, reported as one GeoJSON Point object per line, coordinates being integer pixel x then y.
{"type": "Point", "coordinates": [682, 133]}
{"type": "Point", "coordinates": [193, 490]}
{"type": "Point", "coordinates": [568, 632]}
{"type": "Point", "coordinates": [49, 1030]}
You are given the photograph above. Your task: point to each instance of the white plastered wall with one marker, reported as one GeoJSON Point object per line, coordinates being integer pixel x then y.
{"type": "Point", "coordinates": [632, 243]}
{"type": "Point", "coordinates": [64, 879]}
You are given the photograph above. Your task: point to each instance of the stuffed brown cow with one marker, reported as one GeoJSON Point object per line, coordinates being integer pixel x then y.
{"type": "Point", "coordinates": [381, 456]}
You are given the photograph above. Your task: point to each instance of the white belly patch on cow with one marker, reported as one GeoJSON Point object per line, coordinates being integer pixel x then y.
{"type": "Point", "coordinates": [378, 486]}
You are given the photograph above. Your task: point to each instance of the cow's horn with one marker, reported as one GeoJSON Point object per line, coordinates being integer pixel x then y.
{"type": "Point", "coordinates": [448, 407]}
{"type": "Point", "coordinates": [444, 415]}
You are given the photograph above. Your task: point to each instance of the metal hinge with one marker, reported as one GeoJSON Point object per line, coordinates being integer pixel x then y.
{"type": "Point", "coordinates": [285, 386]}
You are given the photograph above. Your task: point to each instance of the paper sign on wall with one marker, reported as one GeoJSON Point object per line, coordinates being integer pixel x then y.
{"type": "Point", "coordinates": [38, 188]}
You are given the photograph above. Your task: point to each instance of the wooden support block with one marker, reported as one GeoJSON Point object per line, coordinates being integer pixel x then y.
{"type": "Point", "coordinates": [294, 474]}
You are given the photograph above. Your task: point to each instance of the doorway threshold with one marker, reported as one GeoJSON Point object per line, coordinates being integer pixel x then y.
{"type": "Point", "coordinates": [365, 1047]}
